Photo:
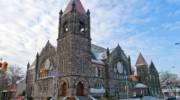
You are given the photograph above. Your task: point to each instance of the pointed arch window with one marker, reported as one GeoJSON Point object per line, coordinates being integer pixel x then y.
{"type": "Point", "coordinates": [63, 68]}
{"type": "Point", "coordinates": [47, 64]}
{"type": "Point", "coordinates": [99, 72]}
{"type": "Point", "coordinates": [120, 67]}
{"type": "Point", "coordinates": [81, 27]}
{"type": "Point", "coordinates": [65, 27]}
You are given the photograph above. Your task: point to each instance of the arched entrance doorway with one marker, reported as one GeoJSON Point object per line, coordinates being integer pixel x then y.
{"type": "Point", "coordinates": [80, 89]}
{"type": "Point", "coordinates": [63, 89]}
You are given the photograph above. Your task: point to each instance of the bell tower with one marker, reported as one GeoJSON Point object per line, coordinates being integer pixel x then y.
{"type": "Point", "coordinates": [142, 69]}
{"type": "Point", "coordinates": [74, 42]}
{"type": "Point", "coordinates": [74, 48]}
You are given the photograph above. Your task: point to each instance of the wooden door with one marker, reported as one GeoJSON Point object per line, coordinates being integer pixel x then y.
{"type": "Point", "coordinates": [63, 89]}
{"type": "Point", "coordinates": [80, 89]}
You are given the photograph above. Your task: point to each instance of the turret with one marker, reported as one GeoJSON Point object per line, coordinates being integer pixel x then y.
{"type": "Point", "coordinates": [142, 69]}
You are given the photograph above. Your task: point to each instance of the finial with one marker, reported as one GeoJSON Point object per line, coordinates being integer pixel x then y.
{"type": "Point", "coordinates": [28, 65]}
{"type": "Point", "coordinates": [129, 58]}
{"type": "Point", "coordinates": [108, 52]}
{"type": "Point", "coordinates": [119, 47]}
{"type": "Point", "coordinates": [61, 12]}
{"type": "Point", "coordinates": [152, 63]}
{"type": "Point", "coordinates": [48, 44]}
{"type": "Point", "coordinates": [88, 12]}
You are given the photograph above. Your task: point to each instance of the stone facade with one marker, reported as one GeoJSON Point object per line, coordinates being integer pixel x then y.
{"type": "Point", "coordinates": [153, 81]}
{"type": "Point", "coordinates": [75, 67]}
{"type": "Point", "coordinates": [149, 76]}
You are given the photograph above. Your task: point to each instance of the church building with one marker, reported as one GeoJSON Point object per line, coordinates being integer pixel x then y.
{"type": "Point", "coordinates": [76, 69]}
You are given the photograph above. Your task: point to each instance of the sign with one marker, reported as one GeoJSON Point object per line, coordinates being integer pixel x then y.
{"type": "Point", "coordinates": [94, 90]}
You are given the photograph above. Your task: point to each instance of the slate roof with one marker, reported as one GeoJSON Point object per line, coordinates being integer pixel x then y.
{"type": "Point", "coordinates": [98, 53]}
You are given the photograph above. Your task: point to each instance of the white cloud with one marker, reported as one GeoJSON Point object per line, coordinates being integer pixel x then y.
{"type": "Point", "coordinates": [174, 14]}
{"type": "Point", "coordinates": [26, 25]}
{"type": "Point", "coordinates": [173, 1]}
{"type": "Point", "coordinates": [172, 26]}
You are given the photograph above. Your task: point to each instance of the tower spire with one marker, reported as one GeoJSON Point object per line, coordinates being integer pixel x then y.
{"type": "Point", "coordinates": [152, 66]}
{"type": "Point", "coordinates": [141, 61]}
{"type": "Point", "coordinates": [75, 5]}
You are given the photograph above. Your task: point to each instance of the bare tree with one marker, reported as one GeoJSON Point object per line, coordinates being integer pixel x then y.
{"type": "Point", "coordinates": [15, 73]}
{"type": "Point", "coordinates": [167, 76]}
{"type": "Point", "coordinates": [169, 81]}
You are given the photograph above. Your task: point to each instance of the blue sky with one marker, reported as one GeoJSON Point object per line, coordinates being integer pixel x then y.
{"type": "Point", "coordinates": [148, 26]}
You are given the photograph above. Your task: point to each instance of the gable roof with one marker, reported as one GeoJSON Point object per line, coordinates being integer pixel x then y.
{"type": "Point", "coordinates": [152, 67]}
